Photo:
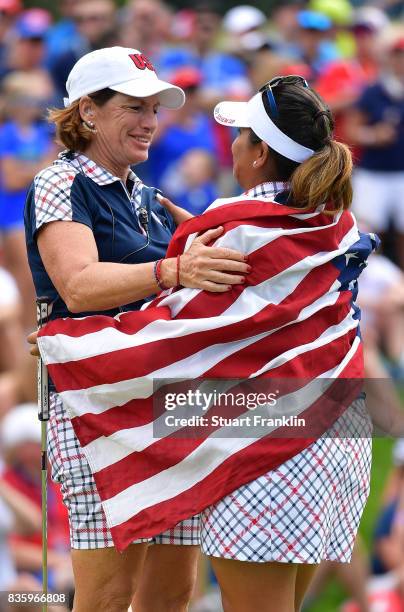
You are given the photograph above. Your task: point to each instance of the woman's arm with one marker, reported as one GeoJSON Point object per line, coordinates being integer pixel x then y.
{"type": "Point", "coordinates": [359, 133]}
{"type": "Point", "coordinates": [69, 253]}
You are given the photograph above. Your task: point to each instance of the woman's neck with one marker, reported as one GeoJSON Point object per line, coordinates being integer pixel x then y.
{"type": "Point", "coordinates": [111, 165]}
{"type": "Point", "coordinates": [257, 180]}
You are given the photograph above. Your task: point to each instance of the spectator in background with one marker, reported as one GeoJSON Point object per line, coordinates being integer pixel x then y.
{"type": "Point", "coordinates": [244, 26]}
{"type": "Point", "coordinates": [382, 327]}
{"type": "Point", "coordinates": [284, 27]}
{"type": "Point", "coordinates": [369, 23]}
{"type": "Point", "coordinates": [247, 38]}
{"type": "Point", "coordinates": [313, 49]}
{"type": "Point", "coordinates": [273, 51]}
{"type": "Point", "coordinates": [222, 73]}
{"type": "Point", "coordinates": [191, 182]}
{"type": "Point", "coordinates": [180, 132]}
{"type": "Point", "coordinates": [12, 350]}
{"type": "Point", "coordinates": [314, 41]}
{"type": "Point", "coordinates": [18, 515]}
{"type": "Point", "coordinates": [96, 23]}
{"type": "Point", "coordinates": [388, 549]}
{"type": "Point", "coordinates": [8, 574]}
{"type": "Point", "coordinates": [8, 11]}
{"type": "Point", "coordinates": [146, 25]}
{"type": "Point", "coordinates": [62, 35]}
{"type": "Point", "coordinates": [26, 47]}
{"type": "Point", "coordinates": [310, 47]}
{"type": "Point", "coordinates": [377, 125]}
{"type": "Point", "coordinates": [25, 148]}
{"type": "Point", "coordinates": [342, 81]}
{"type": "Point", "coordinates": [382, 304]}
{"type": "Point", "coordinates": [340, 13]}
{"type": "Point", "coordinates": [20, 434]}
{"type": "Point", "coordinates": [17, 370]}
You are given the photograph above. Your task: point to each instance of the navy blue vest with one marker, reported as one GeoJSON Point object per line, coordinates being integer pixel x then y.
{"type": "Point", "coordinates": [108, 211]}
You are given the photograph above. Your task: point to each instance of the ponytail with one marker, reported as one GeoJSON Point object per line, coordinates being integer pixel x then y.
{"type": "Point", "coordinates": [324, 178]}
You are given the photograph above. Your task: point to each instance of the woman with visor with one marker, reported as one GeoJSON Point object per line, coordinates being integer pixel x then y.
{"type": "Point", "coordinates": [96, 238]}
{"type": "Point", "coordinates": [266, 538]}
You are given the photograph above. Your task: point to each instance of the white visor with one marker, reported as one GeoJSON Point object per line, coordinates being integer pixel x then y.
{"type": "Point", "coordinates": [252, 114]}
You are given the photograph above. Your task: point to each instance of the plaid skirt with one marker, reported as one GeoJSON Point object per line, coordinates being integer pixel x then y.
{"type": "Point", "coordinates": [87, 522]}
{"type": "Point", "coordinates": [306, 510]}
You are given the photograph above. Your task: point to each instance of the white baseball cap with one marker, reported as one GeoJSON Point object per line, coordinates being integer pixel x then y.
{"type": "Point", "coordinates": [252, 114]}
{"type": "Point", "coordinates": [124, 70]}
{"type": "Point", "coordinates": [370, 17]}
{"type": "Point", "coordinates": [20, 425]}
{"type": "Point", "coordinates": [243, 18]}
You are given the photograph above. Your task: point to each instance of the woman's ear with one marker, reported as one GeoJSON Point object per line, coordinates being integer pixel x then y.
{"type": "Point", "coordinates": [86, 108]}
{"type": "Point", "coordinates": [262, 155]}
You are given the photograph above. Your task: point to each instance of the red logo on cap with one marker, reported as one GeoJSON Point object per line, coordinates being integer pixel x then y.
{"type": "Point", "coordinates": [141, 61]}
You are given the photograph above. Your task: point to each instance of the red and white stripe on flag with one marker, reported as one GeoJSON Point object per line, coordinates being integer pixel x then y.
{"type": "Point", "coordinates": [290, 320]}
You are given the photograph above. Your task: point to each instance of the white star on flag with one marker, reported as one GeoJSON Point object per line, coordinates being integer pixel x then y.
{"type": "Point", "coordinates": [349, 256]}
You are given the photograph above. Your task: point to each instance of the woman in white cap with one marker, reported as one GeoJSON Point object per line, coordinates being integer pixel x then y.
{"type": "Point", "coordinates": [96, 240]}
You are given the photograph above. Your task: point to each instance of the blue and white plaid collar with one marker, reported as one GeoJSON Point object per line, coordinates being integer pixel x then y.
{"type": "Point", "coordinates": [268, 190]}
{"type": "Point", "coordinates": [97, 173]}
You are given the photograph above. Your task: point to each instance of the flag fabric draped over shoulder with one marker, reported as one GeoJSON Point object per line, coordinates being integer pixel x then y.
{"type": "Point", "coordinates": [295, 317]}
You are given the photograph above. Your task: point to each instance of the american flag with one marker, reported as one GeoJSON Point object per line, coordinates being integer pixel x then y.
{"type": "Point", "coordinates": [294, 318]}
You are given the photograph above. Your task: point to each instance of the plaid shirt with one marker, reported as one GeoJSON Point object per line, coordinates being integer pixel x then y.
{"type": "Point", "coordinates": [53, 186]}
{"type": "Point", "coordinates": [268, 190]}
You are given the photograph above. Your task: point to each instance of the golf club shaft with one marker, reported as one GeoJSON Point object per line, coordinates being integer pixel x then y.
{"type": "Point", "coordinates": [43, 312]}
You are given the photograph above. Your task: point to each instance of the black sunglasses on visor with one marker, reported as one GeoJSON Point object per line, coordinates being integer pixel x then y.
{"type": "Point", "coordinates": [290, 79]}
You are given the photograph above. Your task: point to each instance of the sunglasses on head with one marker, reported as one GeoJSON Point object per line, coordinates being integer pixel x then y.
{"type": "Point", "coordinates": [290, 79]}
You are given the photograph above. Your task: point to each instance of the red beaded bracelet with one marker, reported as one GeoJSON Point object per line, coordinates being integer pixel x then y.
{"type": "Point", "coordinates": [157, 276]}
{"type": "Point", "coordinates": [178, 270]}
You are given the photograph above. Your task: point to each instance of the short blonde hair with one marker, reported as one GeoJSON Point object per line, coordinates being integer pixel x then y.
{"type": "Point", "coordinates": [70, 130]}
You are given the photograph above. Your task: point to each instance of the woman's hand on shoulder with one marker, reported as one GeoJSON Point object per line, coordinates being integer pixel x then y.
{"type": "Point", "coordinates": [206, 267]}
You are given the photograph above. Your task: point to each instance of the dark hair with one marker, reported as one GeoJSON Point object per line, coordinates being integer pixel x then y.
{"type": "Point", "coordinates": [101, 97]}
{"type": "Point", "coordinates": [325, 177]}
{"type": "Point", "coordinates": [69, 125]}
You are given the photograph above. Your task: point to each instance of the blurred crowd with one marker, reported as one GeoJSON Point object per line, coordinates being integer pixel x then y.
{"type": "Point", "coordinates": [351, 52]}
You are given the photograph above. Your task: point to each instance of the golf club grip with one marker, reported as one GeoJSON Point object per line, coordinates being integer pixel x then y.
{"type": "Point", "coordinates": [43, 309]}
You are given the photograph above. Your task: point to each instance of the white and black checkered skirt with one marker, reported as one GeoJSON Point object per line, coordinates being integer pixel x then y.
{"type": "Point", "coordinates": [87, 522]}
{"type": "Point", "coordinates": [306, 510]}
